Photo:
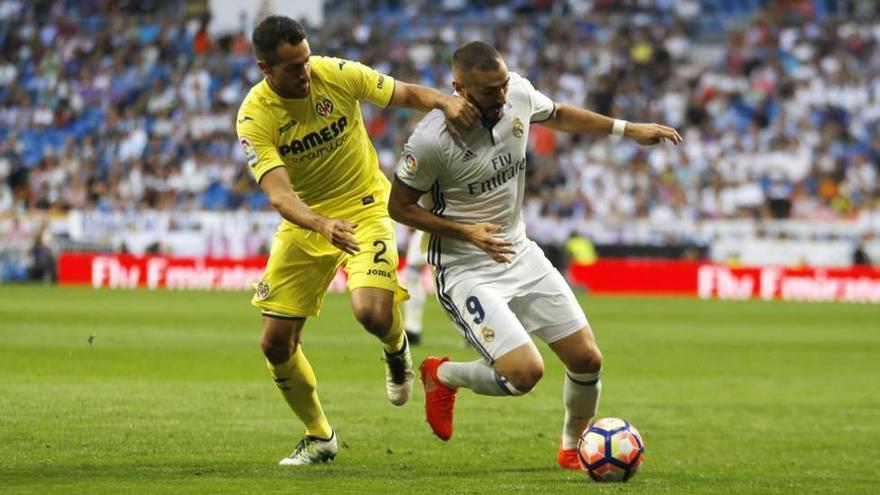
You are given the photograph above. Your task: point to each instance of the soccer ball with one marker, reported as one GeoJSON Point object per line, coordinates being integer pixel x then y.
{"type": "Point", "coordinates": [611, 449]}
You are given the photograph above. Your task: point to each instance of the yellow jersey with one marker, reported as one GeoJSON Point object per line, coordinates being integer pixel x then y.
{"type": "Point", "coordinates": [320, 140]}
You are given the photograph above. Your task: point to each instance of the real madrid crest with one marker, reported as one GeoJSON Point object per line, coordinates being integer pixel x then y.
{"type": "Point", "coordinates": [518, 128]}
{"type": "Point", "coordinates": [324, 106]}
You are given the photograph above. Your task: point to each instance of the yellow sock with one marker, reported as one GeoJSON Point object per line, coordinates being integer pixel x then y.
{"type": "Point", "coordinates": [296, 382]}
{"type": "Point", "coordinates": [393, 340]}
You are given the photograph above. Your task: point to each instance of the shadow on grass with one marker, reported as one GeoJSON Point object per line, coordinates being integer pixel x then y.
{"type": "Point", "coordinates": [340, 473]}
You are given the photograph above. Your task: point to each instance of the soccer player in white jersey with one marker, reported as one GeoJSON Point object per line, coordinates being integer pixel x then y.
{"type": "Point", "coordinates": [414, 307]}
{"type": "Point", "coordinates": [496, 285]}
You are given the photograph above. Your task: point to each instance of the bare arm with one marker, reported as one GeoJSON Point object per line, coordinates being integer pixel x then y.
{"type": "Point", "coordinates": [460, 113]}
{"type": "Point", "coordinates": [569, 118]}
{"type": "Point", "coordinates": [403, 207]}
{"type": "Point", "coordinates": [276, 184]}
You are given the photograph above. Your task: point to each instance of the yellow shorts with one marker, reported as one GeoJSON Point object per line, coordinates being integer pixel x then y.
{"type": "Point", "coordinates": [302, 263]}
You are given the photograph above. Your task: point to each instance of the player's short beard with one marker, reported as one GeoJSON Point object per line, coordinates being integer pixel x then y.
{"type": "Point", "coordinates": [482, 110]}
{"type": "Point", "coordinates": [288, 91]}
{"type": "Point", "coordinates": [304, 93]}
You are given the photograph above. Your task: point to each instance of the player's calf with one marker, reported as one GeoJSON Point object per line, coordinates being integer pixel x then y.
{"type": "Point", "coordinates": [580, 395]}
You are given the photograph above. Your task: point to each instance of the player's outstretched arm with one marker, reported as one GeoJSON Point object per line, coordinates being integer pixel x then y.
{"type": "Point", "coordinates": [403, 206]}
{"type": "Point", "coordinates": [276, 184]}
{"type": "Point", "coordinates": [569, 118]}
{"type": "Point", "coordinates": [460, 113]}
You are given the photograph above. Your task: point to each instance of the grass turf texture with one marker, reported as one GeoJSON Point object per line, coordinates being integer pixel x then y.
{"type": "Point", "coordinates": [172, 396]}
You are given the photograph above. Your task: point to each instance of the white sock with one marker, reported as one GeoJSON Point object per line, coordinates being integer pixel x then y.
{"type": "Point", "coordinates": [580, 393]}
{"type": "Point", "coordinates": [477, 376]}
{"type": "Point", "coordinates": [414, 308]}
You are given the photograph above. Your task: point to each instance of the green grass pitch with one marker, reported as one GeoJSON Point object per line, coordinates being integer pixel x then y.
{"type": "Point", "coordinates": [172, 396]}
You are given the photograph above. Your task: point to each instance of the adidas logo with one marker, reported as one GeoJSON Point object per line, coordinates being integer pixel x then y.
{"type": "Point", "coordinates": [468, 155]}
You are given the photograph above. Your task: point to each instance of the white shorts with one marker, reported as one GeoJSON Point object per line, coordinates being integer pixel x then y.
{"type": "Point", "coordinates": [496, 306]}
{"type": "Point", "coordinates": [415, 258]}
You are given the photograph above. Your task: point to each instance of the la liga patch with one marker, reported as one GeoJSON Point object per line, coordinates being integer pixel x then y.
{"type": "Point", "coordinates": [249, 152]}
{"type": "Point", "coordinates": [410, 165]}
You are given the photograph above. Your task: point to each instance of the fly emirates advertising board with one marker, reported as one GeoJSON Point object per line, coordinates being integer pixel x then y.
{"type": "Point", "coordinates": [607, 276]}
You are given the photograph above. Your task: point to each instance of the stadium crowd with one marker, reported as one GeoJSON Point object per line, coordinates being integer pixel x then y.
{"type": "Point", "coordinates": [780, 111]}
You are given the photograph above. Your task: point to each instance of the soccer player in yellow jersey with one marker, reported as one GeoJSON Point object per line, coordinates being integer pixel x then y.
{"type": "Point", "coordinates": [305, 142]}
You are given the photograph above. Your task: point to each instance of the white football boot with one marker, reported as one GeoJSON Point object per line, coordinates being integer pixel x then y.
{"type": "Point", "coordinates": [399, 375]}
{"type": "Point", "coordinates": [312, 450]}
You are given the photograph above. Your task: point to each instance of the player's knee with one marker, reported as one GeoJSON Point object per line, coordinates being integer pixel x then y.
{"type": "Point", "coordinates": [587, 362]}
{"type": "Point", "coordinates": [374, 319]}
{"type": "Point", "coordinates": [526, 377]}
{"type": "Point", "coordinates": [276, 350]}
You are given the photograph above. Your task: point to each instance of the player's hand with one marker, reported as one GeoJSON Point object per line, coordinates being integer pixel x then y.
{"type": "Point", "coordinates": [650, 134]}
{"type": "Point", "coordinates": [340, 233]}
{"type": "Point", "coordinates": [483, 236]}
{"type": "Point", "coordinates": [460, 114]}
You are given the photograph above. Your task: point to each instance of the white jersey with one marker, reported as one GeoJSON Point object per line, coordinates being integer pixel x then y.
{"type": "Point", "coordinates": [415, 258]}
{"type": "Point", "coordinates": [478, 179]}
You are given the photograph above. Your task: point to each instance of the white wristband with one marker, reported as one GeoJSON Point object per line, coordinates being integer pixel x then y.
{"type": "Point", "coordinates": [619, 127]}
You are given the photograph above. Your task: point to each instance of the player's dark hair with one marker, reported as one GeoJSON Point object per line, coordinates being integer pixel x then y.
{"type": "Point", "coordinates": [273, 31]}
{"type": "Point", "coordinates": [476, 55]}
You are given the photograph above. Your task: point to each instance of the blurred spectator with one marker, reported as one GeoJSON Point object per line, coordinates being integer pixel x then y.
{"type": "Point", "coordinates": [42, 265]}
{"type": "Point", "coordinates": [16, 235]}
{"type": "Point", "coordinates": [202, 42]}
{"type": "Point", "coordinates": [860, 256]}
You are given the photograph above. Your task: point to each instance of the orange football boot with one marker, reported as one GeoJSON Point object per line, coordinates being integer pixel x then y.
{"type": "Point", "coordinates": [439, 399]}
{"type": "Point", "coordinates": [568, 459]}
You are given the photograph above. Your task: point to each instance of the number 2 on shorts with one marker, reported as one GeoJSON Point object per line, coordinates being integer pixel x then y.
{"type": "Point", "coordinates": [377, 258]}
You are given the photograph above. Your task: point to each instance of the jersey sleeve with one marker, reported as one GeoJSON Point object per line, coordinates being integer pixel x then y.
{"type": "Point", "coordinates": [365, 83]}
{"type": "Point", "coordinates": [421, 162]}
{"type": "Point", "coordinates": [258, 143]}
{"type": "Point", "coordinates": [543, 107]}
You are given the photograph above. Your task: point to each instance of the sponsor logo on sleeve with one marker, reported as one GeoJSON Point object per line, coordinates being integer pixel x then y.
{"type": "Point", "coordinates": [488, 334]}
{"type": "Point", "coordinates": [249, 152]}
{"type": "Point", "coordinates": [381, 83]}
